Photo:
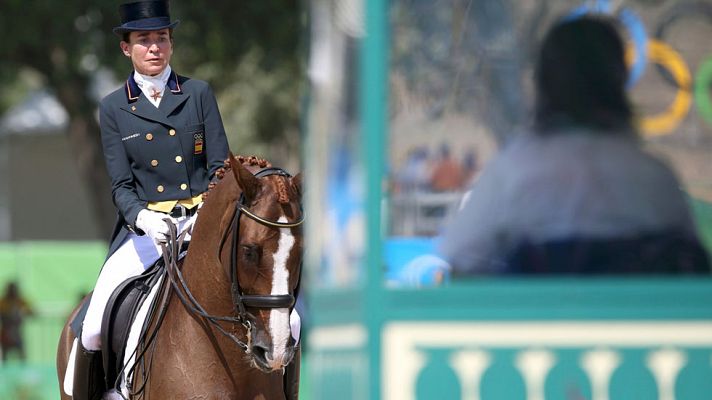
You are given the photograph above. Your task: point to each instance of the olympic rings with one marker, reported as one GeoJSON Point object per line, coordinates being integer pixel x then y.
{"type": "Point", "coordinates": [668, 62]}
{"type": "Point", "coordinates": [702, 90]}
{"type": "Point", "coordinates": [637, 32]}
{"type": "Point", "coordinates": [666, 121]}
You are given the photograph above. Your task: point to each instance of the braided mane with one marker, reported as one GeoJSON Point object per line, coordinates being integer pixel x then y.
{"type": "Point", "coordinates": [250, 161]}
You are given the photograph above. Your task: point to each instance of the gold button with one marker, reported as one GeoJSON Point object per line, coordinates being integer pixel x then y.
{"type": "Point", "coordinates": [149, 136]}
{"type": "Point", "coordinates": [172, 132]}
{"type": "Point", "coordinates": [133, 108]}
{"type": "Point", "coordinates": [160, 188]}
{"type": "Point", "coordinates": [179, 158]}
{"type": "Point", "coordinates": [183, 186]}
{"type": "Point", "coordinates": [154, 163]}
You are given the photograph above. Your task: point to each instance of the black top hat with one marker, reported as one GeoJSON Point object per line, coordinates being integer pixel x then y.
{"type": "Point", "coordinates": [144, 16]}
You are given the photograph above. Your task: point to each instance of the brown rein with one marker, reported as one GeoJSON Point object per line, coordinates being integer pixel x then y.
{"type": "Point", "coordinates": [171, 252]}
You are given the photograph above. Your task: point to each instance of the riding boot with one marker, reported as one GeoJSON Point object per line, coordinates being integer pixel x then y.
{"type": "Point", "coordinates": [88, 375]}
{"type": "Point", "coordinates": [291, 376]}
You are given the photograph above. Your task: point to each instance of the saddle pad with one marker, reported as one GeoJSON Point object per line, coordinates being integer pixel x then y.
{"type": "Point", "coordinates": [138, 328]}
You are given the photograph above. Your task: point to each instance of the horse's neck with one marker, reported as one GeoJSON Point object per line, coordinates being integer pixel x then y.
{"type": "Point", "coordinates": [204, 274]}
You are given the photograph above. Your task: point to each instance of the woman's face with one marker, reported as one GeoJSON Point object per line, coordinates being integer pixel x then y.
{"type": "Point", "coordinates": [150, 51]}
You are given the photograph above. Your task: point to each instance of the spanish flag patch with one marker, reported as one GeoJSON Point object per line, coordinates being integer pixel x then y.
{"type": "Point", "coordinates": [198, 140]}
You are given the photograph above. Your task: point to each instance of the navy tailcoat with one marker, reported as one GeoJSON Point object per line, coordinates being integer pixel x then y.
{"type": "Point", "coordinates": [157, 154]}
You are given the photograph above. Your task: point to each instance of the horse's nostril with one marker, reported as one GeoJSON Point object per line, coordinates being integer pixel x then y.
{"type": "Point", "coordinates": [260, 352]}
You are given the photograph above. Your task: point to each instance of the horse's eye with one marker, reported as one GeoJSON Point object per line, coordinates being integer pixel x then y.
{"type": "Point", "coordinates": [250, 253]}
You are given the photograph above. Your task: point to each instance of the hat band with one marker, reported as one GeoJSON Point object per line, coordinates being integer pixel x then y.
{"type": "Point", "coordinates": [147, 24]}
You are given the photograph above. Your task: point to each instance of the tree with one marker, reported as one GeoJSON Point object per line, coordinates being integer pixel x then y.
{"type": "Point", "coordinates": [249, 45]}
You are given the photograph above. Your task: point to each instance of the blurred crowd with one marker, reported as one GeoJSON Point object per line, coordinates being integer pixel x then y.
{"type": "Point", "coordinates": [423, 171]}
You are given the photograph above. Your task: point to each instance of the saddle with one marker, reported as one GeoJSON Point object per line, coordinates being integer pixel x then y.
{"type": "Point", "coordinates": [119, 316]}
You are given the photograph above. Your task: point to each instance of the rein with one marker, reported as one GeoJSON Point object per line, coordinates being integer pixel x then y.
{"type": "Point", "coordinates": [170, 257]}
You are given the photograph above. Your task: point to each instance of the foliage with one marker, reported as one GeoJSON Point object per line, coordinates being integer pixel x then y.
{"type": "Point", "coordinates": [249, 51]}
{"type": "Point", "coordinates": [211, 43]}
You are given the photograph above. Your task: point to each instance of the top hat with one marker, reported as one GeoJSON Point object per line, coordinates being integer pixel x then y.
{"type": "Point", "coordinates": [144, 16]}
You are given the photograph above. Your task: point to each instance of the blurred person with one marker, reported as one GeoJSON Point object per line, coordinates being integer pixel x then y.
{"type": "Point", "coordinates": [470, 167]}
{"type": "Point", "coordinates": [13, 310]}
{"type": "Point", "coordinates": [447, 175]}
{"type": "Point", "coordinates": [163, 141]}
{"type": "Point", "coordinates": [414, 174]}
{"type": "Point", "coordinates": [578, 194]}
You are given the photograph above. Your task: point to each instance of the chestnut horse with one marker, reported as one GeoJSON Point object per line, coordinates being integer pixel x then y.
{"type": "Point", "coordinates": [223, 331]}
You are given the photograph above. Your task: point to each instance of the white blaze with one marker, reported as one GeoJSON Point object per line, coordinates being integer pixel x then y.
{"type": "Point", "coordinates": [279, 317]}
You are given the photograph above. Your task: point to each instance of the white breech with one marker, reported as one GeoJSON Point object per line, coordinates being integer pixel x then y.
{"type": "Point", "coordinates": [134, 256]}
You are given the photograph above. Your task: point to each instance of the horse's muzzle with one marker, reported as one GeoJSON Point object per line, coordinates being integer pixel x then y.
{"type": "Point", "coordinates": [266, 360]}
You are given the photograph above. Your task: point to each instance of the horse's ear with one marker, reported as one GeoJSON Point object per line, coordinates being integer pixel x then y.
{"type": "Point", "coordinates": [297, 182]}
{"type": "Point", "coordinates": [249, 184]}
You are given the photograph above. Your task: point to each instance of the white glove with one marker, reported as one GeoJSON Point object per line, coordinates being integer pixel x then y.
{"type": "Point", "coordinates": [153, 224]}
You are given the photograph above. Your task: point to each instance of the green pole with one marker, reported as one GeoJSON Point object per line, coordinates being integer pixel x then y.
{"type": "Point", "coordinates": [373, 106]}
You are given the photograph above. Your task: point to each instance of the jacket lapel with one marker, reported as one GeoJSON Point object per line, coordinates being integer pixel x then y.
{"type": "Point", "coordinates": [173, 95]}
{"type": "Point", "coordinates": [143, 108]}
{"type": "Point", "coordinates": [170, 102]}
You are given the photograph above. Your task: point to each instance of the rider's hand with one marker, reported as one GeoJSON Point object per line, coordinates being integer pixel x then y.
{"type": "Point", "coordinates": [153, 224]}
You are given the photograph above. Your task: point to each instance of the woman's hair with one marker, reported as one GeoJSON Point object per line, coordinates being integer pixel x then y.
{"type": "Point", "coordinates": [581, 75]}
{"type": "Point", "coordinates": [126, 36]}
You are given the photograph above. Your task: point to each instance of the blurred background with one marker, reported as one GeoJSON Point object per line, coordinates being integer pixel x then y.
{"type": "Point", "coordinates": [409, 100]}
{"type": "Point", "coordinates": [392, 108]}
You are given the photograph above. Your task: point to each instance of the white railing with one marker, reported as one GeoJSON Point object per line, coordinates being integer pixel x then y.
{"type": "Point", "coordinates": [420, 213]}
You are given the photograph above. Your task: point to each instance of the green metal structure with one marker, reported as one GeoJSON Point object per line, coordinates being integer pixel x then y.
{"type": "Point", "coordinates": [484, 338]}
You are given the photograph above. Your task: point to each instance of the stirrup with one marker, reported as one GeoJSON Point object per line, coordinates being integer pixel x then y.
{"type": "Point", "coordinates": [88, 375]}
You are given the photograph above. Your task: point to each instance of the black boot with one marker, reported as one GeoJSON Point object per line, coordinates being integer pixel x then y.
{"type": "Point", "coordinates": [291, 376]}
{"type": "Point", "coordinates": [88, 375]}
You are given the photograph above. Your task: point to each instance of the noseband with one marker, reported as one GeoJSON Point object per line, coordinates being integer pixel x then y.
{"type": "Point", "coordinates": [239, 299]}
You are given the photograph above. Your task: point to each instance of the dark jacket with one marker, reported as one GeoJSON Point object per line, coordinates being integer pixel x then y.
{"type": "Point", "coordinates": [156, 154]}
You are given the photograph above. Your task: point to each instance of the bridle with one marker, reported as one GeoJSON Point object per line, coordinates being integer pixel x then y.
{"type": "Point", "coordinates": [239, 299]}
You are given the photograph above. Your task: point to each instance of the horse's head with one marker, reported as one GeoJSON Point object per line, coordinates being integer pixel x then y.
{"type": "Point", "coordinates": [258, 211]}
{"type": "Point", "coordinates": [262, 254]}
